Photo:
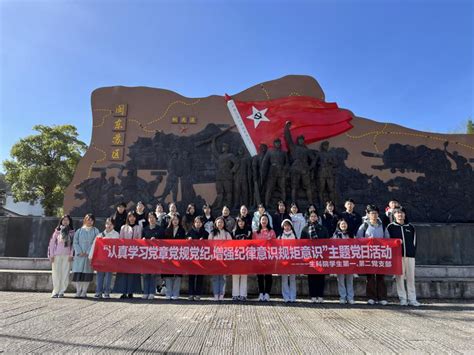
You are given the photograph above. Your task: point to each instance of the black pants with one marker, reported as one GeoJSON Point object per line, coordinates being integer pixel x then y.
{"type": "Point", "coordinates": [316, 285]}
{"type": "Point", "coordinates": [376, 288]}
{"type": "Point", "coordinates": [195, 285]}
{"type": "Point", "coordinates": [264, 283]}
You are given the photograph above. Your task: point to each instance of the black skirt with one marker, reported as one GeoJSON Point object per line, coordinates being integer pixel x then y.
{"type": "Point", "coordinates": [82, 277]}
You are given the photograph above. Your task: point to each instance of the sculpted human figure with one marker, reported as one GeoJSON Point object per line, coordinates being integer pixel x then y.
{"type": "Point", "coordinates": [274, 169]}
{"type": "Point", "coordinates": [172, 177]}
{"type": "Point", "coordinates": [326, 174]}
{"type": "Point", "coordinates": [242, 178]}
{"type": "Point", "coordinates": [226, 165]}
{"type": "Point", "coordinates": [256, 174]}
{"type": "Point", "coordinates": [302, 163]}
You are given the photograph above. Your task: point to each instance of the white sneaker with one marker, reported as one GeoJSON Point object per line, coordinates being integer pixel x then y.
{"type": "Point", "coordinates": [197, 298]}
{"type": "Point", "coordinates": [191, 298]}
{"type": "Point", "coordinates": [145, 297]}
{"type": "Point", "coordinates": [342, 301]}
{"type": "Point", "coordinates": [216, 297]}
{"type": "Point", "coordinates": [221, 297]}
{"type": "Point", "coordinates": [150, 297]}
{"type": "Point", "coordinates": [168, 297]}
{"type": "Point", "coordinates": [267, 297]}
{"type": "Point", "coordinates": [403, 303]}
{"type": "Point", "coordinates": [320, 300]}
{"type": "Point", "coordinates": [174, 298]}
{"type": "Point", "coordinates": [351, 302]}
{"type": "Point", "coordinates": [286, 300]}
{"type": "Point", "coordinates": [261, 297]}
{"type": "Point", "coordinates": [371, 301]}
{"type": "Point", "coordinates": [414, 303]}
{"type": "Point", "coordinates": [383, 303]}
{"type": "Point", "coordinates": [314, 300]}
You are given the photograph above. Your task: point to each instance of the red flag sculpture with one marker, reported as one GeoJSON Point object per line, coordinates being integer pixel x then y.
{"type": "Point", "coordinates": [263, 121]}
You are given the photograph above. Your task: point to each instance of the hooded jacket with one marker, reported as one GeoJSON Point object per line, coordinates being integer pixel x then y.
{"type": "Point", "coordinates": [406, 232]}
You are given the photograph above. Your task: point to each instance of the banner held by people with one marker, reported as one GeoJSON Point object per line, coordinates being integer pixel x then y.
{"type": "Point", "coordinates": [331, 256]}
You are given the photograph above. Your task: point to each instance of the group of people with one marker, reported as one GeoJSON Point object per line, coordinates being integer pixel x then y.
{"type": "Point", "coordinates": [68, 245]}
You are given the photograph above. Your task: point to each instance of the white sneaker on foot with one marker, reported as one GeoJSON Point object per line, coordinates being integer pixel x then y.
{"type": "Point", "coordinates": [145, 297]}
{"type": "Point", "coordinates": [403, 303]}
{"type": "Point", "coordinates": [342, 301]}
{"type": "Point", "coordinates": [320, 300]}
{"type": "Point", "coordinates": [351, 301]}
{"type": "Point", "coordinates": [414, 303]}
{"type": "Point", "coordinates": [314, 299]}
{"type": "Point", "coordinates": [174, 298]}
{"type": "Point", "coordinates": [261, 297]}
{"type": "Point", "coordinates": [383, 302]}
{"type": "Point", "coordinates": [267, 297]}
{"type": "Point", "coordinates": [150, 297]}
{"type": "Point", "coordinates": [371, 301]}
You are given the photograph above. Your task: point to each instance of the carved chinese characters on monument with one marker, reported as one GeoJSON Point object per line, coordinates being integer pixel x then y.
{"type": "Point", "coordinates": [276, 140]}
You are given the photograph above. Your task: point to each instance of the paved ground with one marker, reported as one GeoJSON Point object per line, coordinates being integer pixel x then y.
{"type": "Point", "coordinates": [32, 322]}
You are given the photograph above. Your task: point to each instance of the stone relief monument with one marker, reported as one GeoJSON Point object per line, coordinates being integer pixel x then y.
{"type": "Point", "coordinates": [154, 145]}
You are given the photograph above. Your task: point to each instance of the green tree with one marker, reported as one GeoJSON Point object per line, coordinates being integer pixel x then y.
{"type": "Point", "coordinates": [43, 164]}
{"type": "Point", "coordinates": [470, 127]}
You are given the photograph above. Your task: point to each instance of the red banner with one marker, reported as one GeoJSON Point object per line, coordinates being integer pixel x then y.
{"type": "Point", "coordinates": [226, 257]}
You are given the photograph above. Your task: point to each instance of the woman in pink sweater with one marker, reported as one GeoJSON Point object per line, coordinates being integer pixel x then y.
{"type": "Point", "coordinates": [60, 254]}
{"type": "Point", "coordinates": [264, 232]}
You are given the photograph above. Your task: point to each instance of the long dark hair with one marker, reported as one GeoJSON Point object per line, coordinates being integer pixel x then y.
{"type": "Point", "coordinates": [338, 227]}
{"type": "Point", "coordinates": [127, 221]}
{"type": "Point", "coordinates": [215, 230]}
{"type": "Point", "coordinates": [260, 223]}
{"type": "Point", "coordinates": [170, 223]}
{"type": "Point", "coordinates": [60, 223]}
{"type": "Point", "coordinates": [66, 230]}
{"type": "Point", "coordinates": [189, 207]}
{"type": "Point", "coordinates": [330, 203]}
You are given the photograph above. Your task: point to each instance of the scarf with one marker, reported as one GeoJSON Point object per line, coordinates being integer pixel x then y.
{"type": "Point", "coordinates": [65, 236]}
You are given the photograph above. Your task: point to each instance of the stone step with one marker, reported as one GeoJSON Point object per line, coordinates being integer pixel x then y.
{"type": "Point", "coordinates": [10, 263]}
{"type": "Point", "coordinates": [427, 287]}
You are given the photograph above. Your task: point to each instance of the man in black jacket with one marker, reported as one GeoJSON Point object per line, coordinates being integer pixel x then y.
{"type": "Point", "coordinates": [406, 232]}
{"type": "Point", "coordinates": [353, 219]}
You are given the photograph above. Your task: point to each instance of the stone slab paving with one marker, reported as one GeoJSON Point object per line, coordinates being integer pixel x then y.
{"type": "Point", "coordinates": [35, 323]}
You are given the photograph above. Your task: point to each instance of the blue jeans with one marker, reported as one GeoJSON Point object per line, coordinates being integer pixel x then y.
{"type": "Point", "coordinates": [100, 287]}
{"type": "Point", "coordinates": [345, 287]}
{"type": "Point", "coordinates": [149, 284]}
{"type": "Point", "coordinates": [173, 285]}
{"type": "Point", "coordinates": [218, 284]}
{"type": "Point", "coordinates": [288, 287]}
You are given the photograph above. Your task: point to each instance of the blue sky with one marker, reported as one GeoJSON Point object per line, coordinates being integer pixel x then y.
{"type": "Point", "coordinates": [406, 62]}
